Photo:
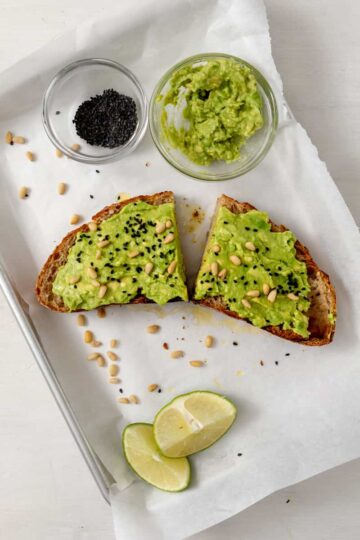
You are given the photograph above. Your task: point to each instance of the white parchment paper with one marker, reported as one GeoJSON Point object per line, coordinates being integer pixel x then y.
{"type": "Point", "coordinates": [297, 417]}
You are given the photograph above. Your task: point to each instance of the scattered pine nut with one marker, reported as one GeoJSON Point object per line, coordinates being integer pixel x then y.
{"type": "Point", "coordinates": [123, 400]}
{"type": "Point", "coordinates": [58, 153]}
{"type": "Point", "coordinates": [114, 380]}
{"type": "Point", "coordinates": [160, 228]}
{"type": "Point", "coordinates": [76, 147]}
{"type": "Point", "coordinates": [18, 140]}
{"type": "Point", "coordinates": [98, 254]}
{"type": "Point", "coordinates": [8, 137]}
{"type": "Point", "coordinates": [246, 303]}
{"type": "Point", "coordinates": [235, 260]}
{"type": "Point", "coordinates": [103, 243]}
{"type": "Point", "coordinates": [23, 192]}
{"type": "Point", "coordinates": [292, 296]}
{"type": "Point", "coordinates": [88, 336]}
{"type": "Point", "coordinates": [250, 246]}
{"type": "Point", "coordinates": [100, 361]}
{"type": "Point", "coordinates": [196, 363]}
{"type": "Point", "coordinates": [91, 272]}
{"type": "Point", "coordinates": [148, 267]}
{"type": "Point", "coordinates": [153, 329]}
{"type": "Point", "coordinates": [171, 267]}
{"type": "Point", "coordinates": [30, 156]}
{"type": "Point", "coordinates": [133, 399]}
{"type": "Point", "coordinates": [209, 341]}
{"type": "Point", "coordinates": [177, 354]}
{"type": "Point", "coordinates": [95, 343]}
{"type": "Point", "coordinates": [113, 370]}
{"type": "Point", "coordinates": [153, 387]}
{"type": "Point", "coordinates": [113, 343]}
{"type": "Point", "coordinates": [216, 248]}
{"type": "Point", "coordinates": [272, 296]}
{"type": "Point", "coordinates": [75, 218]}
{"type": "Point", "coordinates": [95, 283]}
{"type": "Point", "coordinates": [222, 273]}
{"type": "Point", "coordinates": [81, 320]}
{"type": "Point", "coordinates": [168, 224]}
{"type": "Point", "coordinates": [101, 312]}
{"type": "Point", "coordinates": [253, 294]}
{"type": "Point", "coordinates": [112, 356]}
{"type": "Point", "coordinates": [92, 226]}
{"type": "Point", "coordinates": [61, 188]}
{"type": "Point", "coordinates": [169, 238]}
{"type": "Point", "coordinates": [214, 268]}
{"type": "Point", "coordinates": [266, 289]}
{"type": "Point", "coordinates": [102, 291]}
{"type": "Point", "coordinates": [133, 254]}
{"type": "Point", "coordinates": [74, 279]}
{"type": "Point", "coordinates": [93, 356]}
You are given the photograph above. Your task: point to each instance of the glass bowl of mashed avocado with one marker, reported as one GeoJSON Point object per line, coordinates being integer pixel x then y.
{"type": "Point", "coordinates": [213, 116]}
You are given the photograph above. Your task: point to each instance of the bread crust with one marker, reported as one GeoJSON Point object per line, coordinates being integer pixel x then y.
{"type": "Point", "coordinates": [45, 280]}
{"type": "Point", "coordinates": [322, 295]}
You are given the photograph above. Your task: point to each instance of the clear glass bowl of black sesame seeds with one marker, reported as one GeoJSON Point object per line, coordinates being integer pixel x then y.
{"type": "Point", "coordinates": [95, 111]}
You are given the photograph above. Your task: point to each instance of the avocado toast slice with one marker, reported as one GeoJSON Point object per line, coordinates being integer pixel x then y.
{"type": "Point", "coordinates": [255, 270]}
{"type": "Point", "coordinates": [129, 254]}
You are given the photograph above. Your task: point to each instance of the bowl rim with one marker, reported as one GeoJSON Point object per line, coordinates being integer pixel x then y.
{"type": "Point", "coordinates": [120, 151]}
{"type": "Point", "coordinates": [261, 80]}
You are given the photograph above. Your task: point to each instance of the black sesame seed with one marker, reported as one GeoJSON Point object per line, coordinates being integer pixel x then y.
{"type": "Point", "coordinates": [91, 196]}
{"type": "Point", "coordinates": [235, 343]}
{"type": "Point", "coordinates": [58, 112]}
{"type": "Point", "coordinates": [239, 454]}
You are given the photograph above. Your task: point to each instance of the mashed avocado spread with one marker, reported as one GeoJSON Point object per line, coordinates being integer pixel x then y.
{"type": "Point", "coordinates": [136, 251]}
{"type": "Point", "coordinates": [245, 262]}
{"type": "Point", "coordinates": [220, 107]}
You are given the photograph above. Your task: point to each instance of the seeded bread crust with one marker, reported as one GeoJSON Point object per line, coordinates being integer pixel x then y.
{"type": "Point", "coordinates": [45, 280]}
{"type": "Point", "coordinates": [322, 295]}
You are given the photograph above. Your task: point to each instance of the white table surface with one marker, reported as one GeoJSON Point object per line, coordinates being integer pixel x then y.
{"type": "Point", "coordinates": [46, 491]}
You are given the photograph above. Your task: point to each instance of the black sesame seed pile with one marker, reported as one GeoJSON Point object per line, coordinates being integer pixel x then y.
{"type": "Point", "coordinates": [108, 119]}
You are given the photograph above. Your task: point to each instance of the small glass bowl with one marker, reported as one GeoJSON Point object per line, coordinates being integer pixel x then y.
{"type": "Point", "coordinates": [78, 82]}
{"type": "Point", "coordinates": [252, 152]}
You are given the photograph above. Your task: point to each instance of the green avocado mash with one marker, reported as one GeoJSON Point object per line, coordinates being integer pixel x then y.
{"type": "Point", "coordinates": [221, 108]}
{"type": "Point", "coordinates": [128, 256]}
{"type": "Point", "coordinates": [269, 262]}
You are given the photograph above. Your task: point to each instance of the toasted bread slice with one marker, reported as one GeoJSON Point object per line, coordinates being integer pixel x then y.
{"type": "Point", "coordinates": [322, 296]}
{"type": "Point", "coordinates": [45, 280]}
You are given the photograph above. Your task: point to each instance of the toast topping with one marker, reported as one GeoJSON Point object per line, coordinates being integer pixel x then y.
{"type": "Point", "coordinates": [271, 287]}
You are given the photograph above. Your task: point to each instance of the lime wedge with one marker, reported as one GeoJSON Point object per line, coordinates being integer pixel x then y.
{"type": "Point", "coordinates": [192, 422]}
{"type": "Point", "coordinates": [145, 459]}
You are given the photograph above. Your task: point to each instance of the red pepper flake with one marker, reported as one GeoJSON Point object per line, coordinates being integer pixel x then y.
{"type": "Point", "coordinates": [166, 346]}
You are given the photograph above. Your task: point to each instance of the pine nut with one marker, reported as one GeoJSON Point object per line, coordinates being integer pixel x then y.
{"type": "Point", "coordinates": [75, 218]}
{"type": "Point", "coordinates": [101, 312]}
{"type": "Point", "coordinates": [74, 279]}
{"type": "Point", "coordinates": [114, 380]}
{"type": "Point", "coordinates": [133, 254]}
{"type": "Point", "coordinates": [171, 267]}
{"type": "Point", "coordinates": [169, 238]}
{"type": "Point", "coordinates": [153, 387]}
{"type": "Point", "coordinates": [19, 140]}
{"type": "Point", "coordinates": [88, 336]}
{"type": "Point", "coordinates": [81, 320]}
{"type": "Point", "coordinates": [216, 248]}
{"type": "Point", "coordinates": [250, 246]}
{"type": "Point", "coordinates": [196, 363]}
{"type": "Point", "coordinates": [58, 153]}
{"type": "Point", "coordinates": [148, 267]}
{"type": "Point", "coordinates": [23, 192]}
{"type": "Point", "coordinates": [123, 400]}
{"type": "Point", "coordinates": [266, 289]}
{"type": "Point", "coordinates": [95, 343]}
{"type": "Point", "coordinates": [253, 294]}
{"type": "Point", "coordinates": [91, 272]}
{"type": "Point", "coordinates": [293, 296]}
{"type": "Point", "coordinates": [246, 303]}
{"type": "Point", "coordinates": [222, 273]}
{"type": "Point", "coordinates": [8, 137]}
{"type": "Point", "coordinates": [272, 296]}
{"type": "Point", "coordinates": [93, 356]}
{"type": "Point", "coordinates": [112, 356]}
{"type": "Point", "coordinates": [209, 341]}
{"type": "Point", "coordinates": [95, 283]}
{"type": "Point", "coordinates": [102, 291]}
{"type": "Point", "coordinates": [61, 188]}
{"type": "Point", "coordinates": [235, 260]}
{"type": "Point", "coordinates": [168, 224]}
{"type": "Point", "coordinates": [30, 156]}
{"type": "Point", "coordinates": [113, 343]}
{"type": "Point", "coordinates": [103, 243]}
{"type": "Point", "coordinates": [76, 147]}
{"type": "Point", "coordinates": [92, 226]}
{"type": "Point", "coordinates": [153, 329]}
{"type": "Point", "coordinates": [98, 254]}
{"type": "Point", "coordinates": [113, 370]}
{"type": "Point", "coordinates": [177, 354]}
{"type": "Point", "coordinates": [160, 228]}
{"type": "Point", "coordinates": [248, 259]}
{"type": "Point", "coordinates": [214, 268]}
{"type": "Point", "coordinates": [101, 361]}
{"type": "Point", "coordinates": [133, 399]}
